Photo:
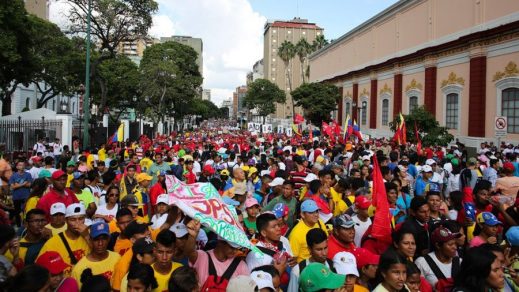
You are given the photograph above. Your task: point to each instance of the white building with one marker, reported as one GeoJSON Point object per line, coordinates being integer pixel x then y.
{"type": "Point", "coordinates": [206, 94]}
{"type": "Point", "coordinates": [228, 104]}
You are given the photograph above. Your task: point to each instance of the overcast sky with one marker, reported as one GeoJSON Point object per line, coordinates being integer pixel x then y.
{"type": "Point", "coordinates": [232, 30]}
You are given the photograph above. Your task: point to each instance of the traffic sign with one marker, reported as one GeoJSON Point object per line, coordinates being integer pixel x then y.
{"type": "Point", "coordinates": [500, 126]}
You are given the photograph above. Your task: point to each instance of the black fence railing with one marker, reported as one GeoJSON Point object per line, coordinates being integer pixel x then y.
{"type": "Point", "coordinates": [21, 135]}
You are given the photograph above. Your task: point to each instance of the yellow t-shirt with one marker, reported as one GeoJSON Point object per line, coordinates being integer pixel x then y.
{"type": "Point", "coordinates": [70, 178]}
{"type": "Point", "coordinates": [31, 204]}
{"type": "Point", "coordinates": [79, 247]}
{"type": "Point", "coordinates": [122, 245]}
{"type": "Point", "coordinates": [146, 163]}
{"type": "Point", "coordinates": [124, 284]}
{"type": "Point", "coordinates": [163, 280]}
{"type": "Point", "coordinates": [297, 239]}
{"type": "Point", "coordinates": [340, 205]}
{"type": "Point", "coordinates": [101, 154]}
{"type": "Point", "coordinates": [105, 267]}
{"type": "Point", "coordinates": [121, 269]}
{"type": "Point", "coordinates": [56, 230]}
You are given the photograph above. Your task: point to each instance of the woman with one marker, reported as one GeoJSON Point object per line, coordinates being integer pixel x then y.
{"type": "Point", "coordinates": [403, 201]}
{"type": "Point", "coordinates": [391, 273]}
{"type": "Point", "coordinates": [364, 174]}
{"type": "Point", "coordinates": [404, 244]}
{"type": "Point", "coordinates": [434, 200]}
{"type": "Point", "coordinates": [486, 229]}
{"type": "Point", "coordinates": [480, 272]}
{"type": "Point", "coordinates": [38, 188]}
{"type": "Point", "coordinates": [140, 278]}
{"type": "Point", "coordinates": [108, 211]}
{"type": "Point", "coordinates": [184, 279]}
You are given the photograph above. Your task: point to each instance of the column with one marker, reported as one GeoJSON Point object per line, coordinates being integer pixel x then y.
{"type": "Point", "coordinates": [477, 96]}
{"type": "Point", "coordinates": [66, 128]}
{"type": "Point", "coordinates": [373, 105]}
{"type": "Point", "coordinates": [430, 89]}
{"type": "Point", "coordinates": [340, 102]}
{"type": "Point", "coordinates": [397, 94]}
{"type": "Point", "coordinates": [355, 97]}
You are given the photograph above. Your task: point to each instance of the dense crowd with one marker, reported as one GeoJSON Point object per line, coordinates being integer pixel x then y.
{"type": "Point", "coordinates": [102, 220]}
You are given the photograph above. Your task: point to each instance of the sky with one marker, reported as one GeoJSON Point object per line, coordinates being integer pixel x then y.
{"type": "Point", "coordinates": [232, 30]}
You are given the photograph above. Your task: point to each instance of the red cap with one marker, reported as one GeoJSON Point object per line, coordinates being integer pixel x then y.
{"type": "Point", "coordinates": [208, 168]}
{"type": "Point", "coordinates": [37, 158]}
{"type": "Point", "coordinates": [57, 174]}
{"type": "Point", "coordinates": [365, 257]}
{"type": "Point", "coordinates": [509, 166]}
{"type": "Point", "coordinates": [53, 262]}
{"type": "Point", "coordinates": [362, 202]}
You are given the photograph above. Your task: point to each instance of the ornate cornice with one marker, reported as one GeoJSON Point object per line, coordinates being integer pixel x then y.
{"type": "Point", "coordinates": [413, 85]}
{"type": "Point", "coordinates": [348, 94]}
{"type": "Point", "coordinates": [364, 92]}
{"type": "Point", "coordinates": [386, 89]}
{"type": "Point", "coordinates": [453, 79]}
{"type": "Point", "coordinates": [510, 71]}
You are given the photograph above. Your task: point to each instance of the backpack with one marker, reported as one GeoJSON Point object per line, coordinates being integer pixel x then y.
{"type": "Point", "coordinates": [215, 283]}
{"type": "Point", "coordinates": [444, 284]}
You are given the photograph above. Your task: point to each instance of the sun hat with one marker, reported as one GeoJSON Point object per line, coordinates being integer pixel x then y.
{"type": "Point", "coordinates": [317, 276]}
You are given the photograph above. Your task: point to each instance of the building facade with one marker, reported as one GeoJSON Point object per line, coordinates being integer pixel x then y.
{"type": "Point", "coordinates": [456, 58]}
{"type": "Point", "coordinates": [256, 73]}
{"type": "Point", "coordinates": [228, 104]}
{"type": "Point", "coordinates": [206, 94]}
{"type": "Point", "coordinates": [238, 97]}
{"type": "Point", "coordinates": [195, 43]}
{"type": "Point", "coordinates": [39, 8]}
{"type": "Point", "coordinates": [275, 33]}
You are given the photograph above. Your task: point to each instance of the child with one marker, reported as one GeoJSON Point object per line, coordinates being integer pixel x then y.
{"type": "Point", "coordinates": [345, 264]}
{"type": "Point", "coordinates": [252, 207]}
{"type": "Point", "coordinates": [161, 211]}
{"type": "Point", "coordinates": [414, 279]}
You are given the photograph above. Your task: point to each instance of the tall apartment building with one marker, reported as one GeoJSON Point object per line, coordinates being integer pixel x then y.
{"type": "Point", "coordinates": [134, 49]}
{"type": "Point", "coordinates": [256, 73]}
{"type": "Point", "coordinates": [238, 96]}
{"type": "Point", "coordinates": [228, 104]}
{"type": "Point", "coordinates": [206, 94]}
{"type": "Point", "coordinates": [195, 43]}
{"type": "Point", "coordinates": [39, 8]}
{"type": "Point", "coordinates": [276, 32]}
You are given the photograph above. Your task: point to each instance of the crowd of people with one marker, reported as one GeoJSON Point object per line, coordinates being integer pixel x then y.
{"type": "Point", "coordinates": [101, 219]}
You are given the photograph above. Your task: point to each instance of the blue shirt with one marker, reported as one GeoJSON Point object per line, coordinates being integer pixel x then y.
{"type": "Point", "coordinates": [419, 187]}
{"type": "Point", "coordinates": [23, 192]}
{"type": "Point", "coordinates": [411, 169]}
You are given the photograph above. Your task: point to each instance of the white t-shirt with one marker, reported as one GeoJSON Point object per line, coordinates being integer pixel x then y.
{"type": "Point", "coordinates": [57, 148]}
{"type": "Point", "coordinates": [158, 220]}
{"type": "Point", "coordinates": [39, 147]}
{"type": "Point", "coordinates": [254, 262]}
{"type": "Point", "coordinates": [427, 271]}
{"type": "Point", "coordinates": [103, 210]}
{"type": "Point", "coordinates": [34, 171]}
{"type": "Point", "coordinates": [360, 228]}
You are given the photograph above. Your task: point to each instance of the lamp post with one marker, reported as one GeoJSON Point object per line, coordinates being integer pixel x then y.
{"type": "Point", "coordinates": [359, 110]}
{"type": "Point", "coordinates": [86, 100]}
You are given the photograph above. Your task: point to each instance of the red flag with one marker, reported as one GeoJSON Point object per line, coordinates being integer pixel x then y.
{"type": "Point", "coordinates": [298, 119]}
{"type": "Point", "coordinates": [327, 129]}
{"type": "Point", "coordinates": [418, 141]}
{"type": "Point", "coordinates": [396, 137]}
{"type": "Point", "coordinates": [337, 129]}
{"type": "Point", "coordinates": [382, 221]}
{"type": "Point", "coordinates": [403, 131]}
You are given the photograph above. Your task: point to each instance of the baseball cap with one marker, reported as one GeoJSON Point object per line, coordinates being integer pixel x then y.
{"type": "Point", "coordinates": [365, 157]}
{"type": "Point", "coordinates": [143, 245]}
{"type": "Point", "coordinates": [508, 166]}
{"type": "Point", "coordinates": [53, 262]}
{"type": "Point", "coordinates": [249, 202]}
{"type": "Point", "coordinates": [280, 210]}
{"type": "Point", "coordinates": [163, 198]}
{"type": "Point", "coordinates": [345, 263]}
{"type": "Point", "coordinates": [310, 177]}
{"type": "Point", "coordinates": [225, 172]}
{"type": "Point", "coordinates": [442, 234]}
{"type": "Point", "coordinates": [229, 201]}
{"type": "Point", "coordinates": [241, 283]}
{"type": "Point", "coordinates": [309, 206]}
{"type": "Point", "coordinates": [71, 163]}
{"type": "Point", "coordinates": [488, 218]}
{"type": "Point", "coordinates": [512, 235]}
{"type": "Point", "coordinates": [317, 276]}
{"type": "Point", "coordinates": [44, 173]}
{"type": "Point", "coordinates": [130, 200]}
{"type": "Point", "coordinates": [76, 209]}
{"type": "Point", "coordinates": [143, 176]}
{"type": "Point", "coordinates": [430, 161]}
{"type": "Point", "coordinates": [472, 161]}
{"type": "Point", "coordinates": [427, 168]}
{"type": "Point", "coordinates": [263, 280]}
{"type": "Point", "coordinates": [365, 257]}
{"type": "Point", "coordinates": [57, 174]}
{"type": "Point", "coordinates": [209, 169]}
{"type": "Point", "coordinates": [343, 221]}
{"type": "Point", "coordinates": [251, 162]}
{"type": "Point", "coordinates": [180, 229]}
{"type": "Point", "coordinates": [362, 202]}
{"type": "Point", "coordinates": [99, 228]}
{"type": "Point", "coordinates": [276, 182]}
{"type": "Point", "coordinates": [78, 175]}
{"type": "Point", "coordinates": [57, 208]}
{"type": "Point", "coordinates": [135, 227]}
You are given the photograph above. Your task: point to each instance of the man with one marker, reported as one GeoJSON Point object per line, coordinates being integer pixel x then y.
{"type": "Point", "coordinates": [509, 184]}
{"type": "Point", "coordinates": [57, 222]}
{"type": "Point", "coordinates": [72, 245]}
{"type": "Point", "coordinates": [157, 189]}
{"type": "Point", "coordinates": [418, 224]}
{"type": "Point", "coordinates": [57, 194]}
{"type": "Point", "coordinates": [287, 198]}
{"type": "Point", "coordinates": [317, 242]}
{"type": "Point", "coordinates": [83, 194]}
{"type": "Point", "coordinates": [100, 260]}
{"type": "Point", "coordinates": [309, 220]}
{"type": "Point", "coordinates": [158, 166]}
{"type": "Point", "coordinates": [490, 173]}
{"type": "Point", "coordinates": [164, 266]}
{"type": "Point", "coordinates": [118, 240]}
{"type": "Point", "coordinates": [35, 236]}
{"type": "Point", "coordinates": [261, 193]}
{"type": "Point", "coordinates": [134, 160]}
{"type": "Point", "coordinates": [128, 181]}
{"type": "Point", "coordinates": [57, 149]}
{"type": "Point", "coordinates": [36, 167]}
{"type": "Point", "coordinates": [20, 183]}
{"type": "Point", "coordinates": [49, 164]}
{"type": "Point", "coordinates": [71, 168]}
{"type": "Point", "coordinates": [343, 235]}
{"type": "Point", "coordinates": [299, 174]}
{"type": "Point", "coordinates": [39, 147]}
{"type": "Point", "coordinates": [361, 218]}
{"type": "Point", "coordinates": [146, 162]}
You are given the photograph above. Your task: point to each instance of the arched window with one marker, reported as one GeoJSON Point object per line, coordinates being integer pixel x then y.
{"type": "Point", "coordinates": [348, 108]}
{"type": "Point", "coordinates": [413, 103]}
{"type": "Point", "coordinates": [451, 111]}
{"type": "Point", "coordinates": [385, 112]}
{"type": "Point", "coordinates": [510, 108]}
{"type": "Point", "coordinates": [364, 113]}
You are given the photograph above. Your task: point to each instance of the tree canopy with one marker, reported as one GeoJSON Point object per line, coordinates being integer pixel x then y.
{"type": "Point", "coordinates": [263, 96]}
{"type": "Point", "coordinates": [317, 99]}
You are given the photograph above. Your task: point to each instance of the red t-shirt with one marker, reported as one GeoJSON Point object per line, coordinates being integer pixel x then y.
{"type": "Point", "coordinates": [335, 246]}
{"type": "Point", "coordinates": [54, 197]}
{"type": "Point", "coordinates": [155, 191]}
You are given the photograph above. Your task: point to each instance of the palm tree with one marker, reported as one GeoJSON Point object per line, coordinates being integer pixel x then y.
{"type": "Point", "coordinates": [287, 52]}
{"type": "Point", "coordinates": [319, 42]}
{"type": "Point", "coordinates": [303, 49]}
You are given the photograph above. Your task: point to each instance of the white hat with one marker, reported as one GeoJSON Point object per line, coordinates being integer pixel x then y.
{"type": "Point", "coordinates": [348, 154]}
{"type": "Point", "coordinates": [163, 198]}
{"type": "Point", "coordinates": [365, 157]}
{"type": "Point", "coordinates": [180, 229]}
{"type": "Point", "coordinates": [427, 168]}
{"type": "Point", "coordinates": [276, 182]}
{"type": "Point", "coordinates": [430, 162]}
{"type": "Point", "coordinates": [57, 208]}
{"type": "Point", "coordinates": [310, 177]}
{"type": "Point", "coordinates": [262, 279]}
{"type": "Point", "coordinates": [402, 168]}
{"type": "Point", "coordinates": [457, 153]}
{"type": "Point", "coordinates": [241, 283]}
{"type": "Point", "coordinates": [76, 209]}
{"type": "Point", "coordinates": [345, 263]}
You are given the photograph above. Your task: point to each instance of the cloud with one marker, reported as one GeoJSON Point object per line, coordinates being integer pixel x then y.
{"type": "Point", "coordinates": [162, 26]}
{"type": "Point", "coordinates": [58, 11]}
{"type": "Point", "coordinates": [218, 95]}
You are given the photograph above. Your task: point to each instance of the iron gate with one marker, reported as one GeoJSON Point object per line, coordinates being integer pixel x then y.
{"type": "Point", "coordinates": [21, 135]}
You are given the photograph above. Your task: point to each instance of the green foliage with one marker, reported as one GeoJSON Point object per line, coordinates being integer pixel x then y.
{"type": "Point", "coordinates": [429, 129]}
{"type": "Point", "coordinates": [317, 99]}
{"type": "Point", "coordinates": [263, 95]}
{"type": "Point", "coordinates": [204, 108]}
{"type": "Point", "coordinates": [303, 49]}
{"type": "Point", "coordinates": [319, 42]}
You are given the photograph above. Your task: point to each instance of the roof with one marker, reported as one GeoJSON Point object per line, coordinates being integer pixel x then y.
{"type": "Point", "coordinates": [35, 114]}
{"type": "Point", "coordinates": [290, 24]}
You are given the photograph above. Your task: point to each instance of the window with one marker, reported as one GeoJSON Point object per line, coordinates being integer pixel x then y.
{"type": "Point", "coordinates": [53, 105]}
{"type": "Point", "coordinates": [385, 112]}
{"type": "Point", "coordinates": [510, 108]}
{"type": "Point", "coordinates": [364, 111]}
{"type": "Point", "coordinates": [413, 103]}
{"type": "Point", "coordinates": [451, 111]}
{"type": "Point", "coordinates": [73, 107]}
{"type": "Point", "coordinates": [27, 103]}
{"type": "Point", "coordinates": [348, 108]}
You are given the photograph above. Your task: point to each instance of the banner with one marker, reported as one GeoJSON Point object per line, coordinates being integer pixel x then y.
{"type": "Point", "coordinates": [288, 131]}
{"type": "Point", "coordinates": [250, 127]}
{"type": "Point", "coordinates": [257, 127]}
{"type": "Point", "coordinates": [202, 202]}
{"type": "Point", "coordinates": [267, 128]}
{"type": "Point", "coordinates": [281, 130]}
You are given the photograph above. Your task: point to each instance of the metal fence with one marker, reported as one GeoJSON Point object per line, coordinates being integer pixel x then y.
{"type": "Point", "coordinates": [21, 135]}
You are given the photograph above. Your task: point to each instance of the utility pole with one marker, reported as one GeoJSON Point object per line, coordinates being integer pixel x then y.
{"type": "Point", "coordinates": [86, 100]}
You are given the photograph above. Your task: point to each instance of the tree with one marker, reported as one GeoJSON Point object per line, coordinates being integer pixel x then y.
{"type": "Point", "coordinates": [263, 95]}
{"type": "Point", "coordinates": [16, 61]}
{"type": "Point", "coordinates": [286, 52]}
{"type": "Point", "coordinates": [317, 99]}
{"type": "Point", "coordinates": [319, 42]}
{"type": "Point", "coordinates": [169, 79]}
{"type": "Point", "coordinates": [429, 129]}
{"type": "Point", "coordinates": [60, 62]}
{"type": "Point", "coordinates": [303, 49]}
{"type": "Point", "coordinates": [112, 23]}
